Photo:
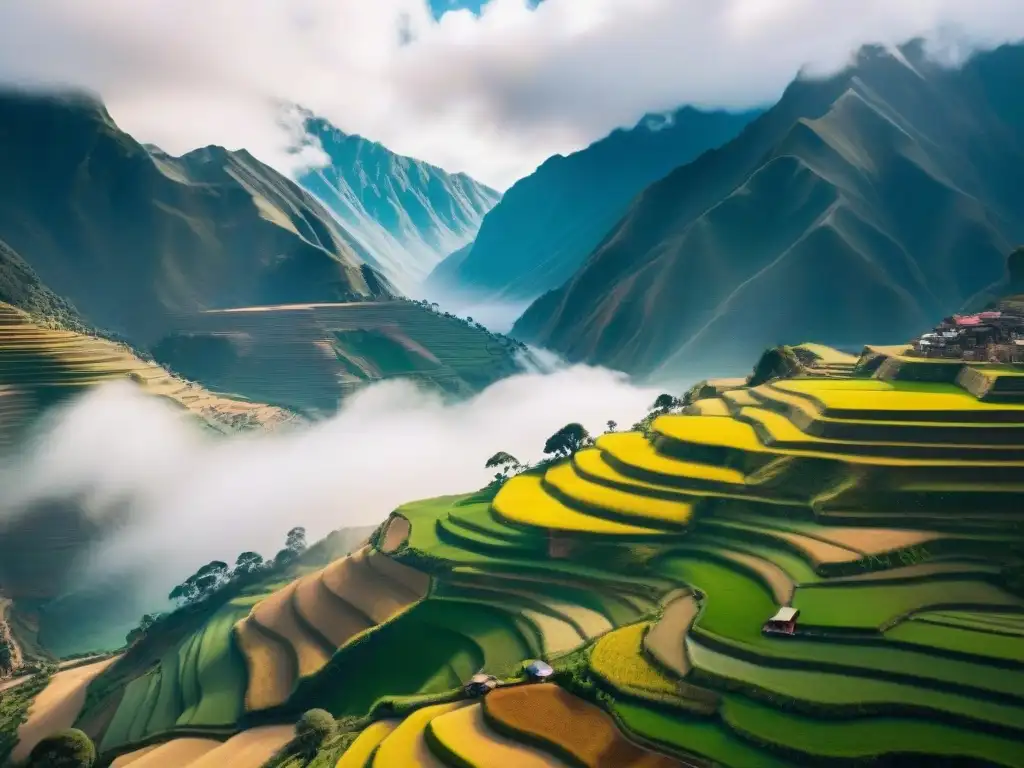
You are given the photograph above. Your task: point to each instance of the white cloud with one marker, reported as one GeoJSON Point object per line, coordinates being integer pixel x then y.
{"type": "Point", "coordinates": [492, 95]}
{"type": "Point", "coordinates": [191, 497]}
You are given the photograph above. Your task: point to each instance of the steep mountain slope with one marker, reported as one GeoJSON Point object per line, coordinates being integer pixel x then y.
{"type": "Point", "coordinates": [132, 237]}
{"type": "Point", "coordinates": [408, 214]}
{"type": "Point", "coordinates": [864, 205]}
{"type": "Point", "coordinates": [21, 287]}
{"type": "Point", "coordinates": [548, 222]}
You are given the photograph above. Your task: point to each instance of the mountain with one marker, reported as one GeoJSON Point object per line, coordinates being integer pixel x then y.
{"type": "Point", "coordinates": [548, 222]}
{"type": "Point", "coordinates": [862, 205]}
{"type": "Point", "coordinates": [1008, 289]}
{"type": "Point", "coordinates": [132, 236]}
{"type": "Point", "coordinates": [406, 213]}
{"type": "Point", "coordinates": [21, 287]}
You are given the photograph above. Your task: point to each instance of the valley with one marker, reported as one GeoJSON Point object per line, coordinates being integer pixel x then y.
{"type": "Point", "coordinates": [739, 487]}
{"type": "Point", "coordinates": [645, 567]}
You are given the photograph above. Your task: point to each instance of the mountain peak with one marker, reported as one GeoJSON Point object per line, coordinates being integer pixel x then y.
{"type": "Point", "coordinates": [408, 213]}
{"type": "Point", "coordinates": [548, 222]}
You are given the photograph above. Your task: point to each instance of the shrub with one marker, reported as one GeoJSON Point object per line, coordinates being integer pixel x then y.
{"type": "Point", "coordinates": [65, 749]}
{"type": "Point", "coordinates": [313, 729]}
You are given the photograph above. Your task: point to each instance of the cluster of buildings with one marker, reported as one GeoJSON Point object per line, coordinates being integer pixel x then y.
{"type": "Point", "coordinates": [996, 337]}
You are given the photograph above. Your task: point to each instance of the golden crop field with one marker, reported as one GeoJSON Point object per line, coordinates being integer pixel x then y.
{"type": "Point", "coordinates": [936, 397]}
{"type": "Point", "coordinates": [633, 449]}
{"type": "Point", "coordinates": [564, 478]}
{"type": "Point", "coordinates": [573, 726]}
{"type": "Point", "coordinates": [465, 735]}
{"type": "Point", "coordinates": [360, 750]}
{"type": "Point", "coordinates": [709, 430]}
{"type": "Point", "coordinates": [618, 658]}
{"type": "Point", "coordinates": [406, 745]}
{"type": "Point", "coordinates": [523, 500]}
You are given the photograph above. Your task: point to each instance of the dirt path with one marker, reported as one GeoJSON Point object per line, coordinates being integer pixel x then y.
{"type": "Point", "coordinates": [14, 682]}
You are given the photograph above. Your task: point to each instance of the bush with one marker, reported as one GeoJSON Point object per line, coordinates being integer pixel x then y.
{"type": "Point", "coordinates": [313, 729]}
{"type": "Point", "coordinates": [64, 749]}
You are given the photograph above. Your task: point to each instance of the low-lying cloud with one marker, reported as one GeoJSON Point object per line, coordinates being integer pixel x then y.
{"type": "Point", "coordinates": [493, 94]}
{"type": "Point", "coordinates": [191, 497]}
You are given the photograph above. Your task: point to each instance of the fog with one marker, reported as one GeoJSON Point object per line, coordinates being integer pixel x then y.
{"type": "Point", "coordinates": [191, 496]}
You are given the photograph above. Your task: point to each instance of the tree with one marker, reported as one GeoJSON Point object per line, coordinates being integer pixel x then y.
{"type": "Point", "coordinates": [202, 583]}
{"type": "Point", "coordinates": [247, 563]}
{"type": "Point", "coordinates": [506, 462]}
{"type": "Point", "coordinates": [183, 593]}
{"type": "Point", "coordinates": [665, 402]}
{"type": "Point", "coordinates": [296, 540]}
{"type": "Point", "coordinates": [567, 440]}
{"type": "Point", "coordinates": [284, 557]}
{"type": "Point", "coordinates": [140, 631]}
{"type": "Point", "coordinates": [611, 425]}
{"type": "Point", "coordinates": [469, 319]}
{"type": "Point", "coordinates": [70, 748]}
{"type": "Point", "coordinates": [313, 729]}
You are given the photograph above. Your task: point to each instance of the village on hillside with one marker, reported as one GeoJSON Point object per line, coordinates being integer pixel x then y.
{"type": "Point", "coordinates": [995, 336]}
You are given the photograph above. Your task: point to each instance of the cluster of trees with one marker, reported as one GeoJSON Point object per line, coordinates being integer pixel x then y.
{"type": "Point", "coordinates": [217, 574]}
{"type": "Point", "coordinates": [574, 437]}
{"type": "Point", "coordinates": [6, 656]}
{"type": "Point", "coordinates": [662, 405]}
{"type": "Point", "coordinates": [433, 306]}
{"type": "Point", "coordinates": [562, 444]}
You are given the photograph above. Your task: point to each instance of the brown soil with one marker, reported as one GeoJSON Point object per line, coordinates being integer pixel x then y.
{"type": "Point", "coordinates": [552, 715]}
{"type": "Point", "coordinates": [335, 619]}
{"type": "Point", "coordinates": [396, 534]}
{"type": "Point", "coordinates": [665, 640]}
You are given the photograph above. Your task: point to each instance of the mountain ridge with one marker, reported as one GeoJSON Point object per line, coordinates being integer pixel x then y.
{"type": "Point", "coordinates": [133, 236]}
{"type": "Point", "coordinates": [894, 174]}
{"type": "Point", "coordinates": [547, 222]}
{"type": "Point", "coordinates": [406, 213]}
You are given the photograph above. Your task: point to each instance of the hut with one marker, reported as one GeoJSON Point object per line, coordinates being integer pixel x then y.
{"type": "Point", "coordinates": [480, 685]}
{"type": "Point", "coordinates": [782, 623]}
{"type": "Point", "coordinates": [537, 670]}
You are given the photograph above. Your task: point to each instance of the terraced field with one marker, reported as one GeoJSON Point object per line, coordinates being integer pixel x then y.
{"type": "Point", "coordinates": [46, 365]}
{"type": "Point", "coordinates": [644, 570]}
{"type": "Point", "coordinates": [310, 356]}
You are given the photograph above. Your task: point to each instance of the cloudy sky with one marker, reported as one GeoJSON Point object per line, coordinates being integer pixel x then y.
{"type": "Point", "coordinates": [491, 93]}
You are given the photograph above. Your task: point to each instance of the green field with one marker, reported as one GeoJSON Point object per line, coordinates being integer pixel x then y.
{"type": "Point", "coordinates": [199, 683]}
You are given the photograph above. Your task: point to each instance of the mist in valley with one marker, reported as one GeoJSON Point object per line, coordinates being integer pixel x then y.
{"type": "Point", "coordinates": [178, 496]}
